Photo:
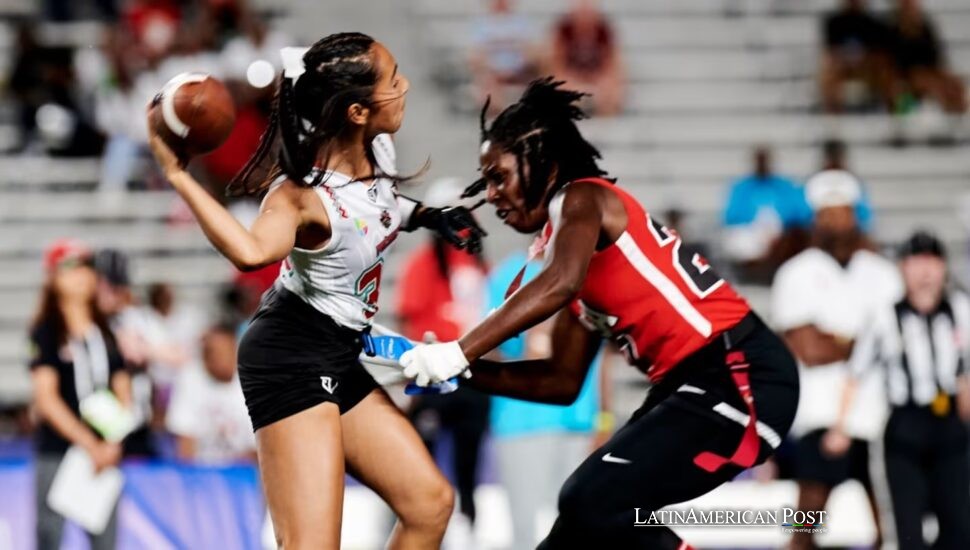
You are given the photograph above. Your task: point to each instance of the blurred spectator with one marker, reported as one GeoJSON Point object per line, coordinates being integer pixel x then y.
{"type": "Point", "coordinates": [821, 300]}
{"type": "Point", "coordinates": [439, 297]}
{"type": "Point", "coordinates": [174, 332]}
{"type": "Point", "coordinates": [237, 304]}
{"type": "Point", "coordinates": [919, 59]}
{"type": "Point", "coordinates": [154, 26]}
{"type": "Point", "coordinates": [505, 54]}
{"type": "Point", "coordinates": [73, 355]}
{"type": "Point", "coordinates": [43, 82]}
{"type": "Point", "coordinates": [252, 40]}
{"type": "Point", "coordinates": [247, 43]}
{"type": "Point", "coordinates": [183, 322]}
{"type": "Point", "coordinates": [116, 301]}
{"type": "Point", "coordinates": [540, 445]}
{"type": "Point", "coordinates": [27, 78]}
{"type": "Point", "coordinates": [65, 10]}
{"type": "Point", "coordinates": [921, 345]}
{"type": "Point", "coordinates": [207, 413]}
{"type": "Point", "coordinates": [587, 56]}
{"type": "Point", "coordinates": [855, 50]}
{"type": "Point", "coordinates": [765, 219]}
{"type": "Point", "coordinates": [117, 101]}
{"type": "Point", "coordinates": [835, 156]}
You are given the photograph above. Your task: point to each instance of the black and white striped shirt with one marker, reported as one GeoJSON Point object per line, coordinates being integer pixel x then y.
{"type": "Point", "coordinates": [923, 355]}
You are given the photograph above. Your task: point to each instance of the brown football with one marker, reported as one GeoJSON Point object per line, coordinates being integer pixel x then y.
{"type": "Point", "coordinates": [193, 113]}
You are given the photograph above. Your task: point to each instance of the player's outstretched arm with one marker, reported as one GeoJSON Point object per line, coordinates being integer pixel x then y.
{"type": "Point", "coordinates": [577, 219]}
{"type": "Point", "coordinates": [557, 379]}
{"type": "Point", "coordinates": [273, 233]}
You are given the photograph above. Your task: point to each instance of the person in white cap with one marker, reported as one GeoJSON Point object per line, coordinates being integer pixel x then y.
{"type": "Point", "coordinates": [821, 299]}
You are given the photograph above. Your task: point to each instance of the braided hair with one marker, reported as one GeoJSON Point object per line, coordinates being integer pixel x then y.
{"type": "Point", "coordinates": [540, 130]}
{"type": "Point", "coordinates": [309, 114]}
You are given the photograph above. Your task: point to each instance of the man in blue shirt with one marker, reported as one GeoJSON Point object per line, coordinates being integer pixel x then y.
{"type": "Point", "coordinates": [764, 213]}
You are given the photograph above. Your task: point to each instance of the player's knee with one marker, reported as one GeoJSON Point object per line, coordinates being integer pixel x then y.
{"type": "Point", "coordinates": [432, 508]}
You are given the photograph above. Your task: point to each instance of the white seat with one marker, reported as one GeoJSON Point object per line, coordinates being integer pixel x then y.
{"type": "Point", "coordinates": [870, 163]}
{"type": "Point", "coordinates": [692, 97]}
{"type": "Point", "coordinates": [126, 236]}
{"type": "Point", "coordinates": [81, 205]}
{"type": "Point", "coordinates": [41, 170]}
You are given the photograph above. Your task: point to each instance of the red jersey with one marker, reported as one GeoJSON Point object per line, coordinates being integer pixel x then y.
{"type": "Point", "coordinates": [659, 301]}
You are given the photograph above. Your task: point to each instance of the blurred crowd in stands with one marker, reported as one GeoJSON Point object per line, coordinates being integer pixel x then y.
{"type": "Point", "coordinates": [767, 217]}
{"type": "Point", "coordinates": [582, 48]}
{"type": "Point", "coordinates": [90, 101]}
{"type": "Point", "coordinates": [898, 59]}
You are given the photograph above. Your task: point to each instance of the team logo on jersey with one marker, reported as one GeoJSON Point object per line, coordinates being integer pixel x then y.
{"type": "Point", "coordinates": [372, 193]}
{"type": "Point", "coordinates": [386, 219]}
{"type": "Point", "coordinates": [361, 226]}
{"type": "Point", "coordinates": [328, 384]}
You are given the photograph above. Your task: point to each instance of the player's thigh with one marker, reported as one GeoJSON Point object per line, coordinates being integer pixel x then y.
{"type": "Point", "coordinates": [301, 464]}
{"type": "Point", "coordinates": [649, 463]}
{"type": "Point", "coordinates": [384, 451]}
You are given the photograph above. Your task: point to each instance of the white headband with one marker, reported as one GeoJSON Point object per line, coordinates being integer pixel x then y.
{"type": "Point", "coordinates": [293, 62]}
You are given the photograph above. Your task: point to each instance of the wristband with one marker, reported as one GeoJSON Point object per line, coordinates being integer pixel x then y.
{"type": "Point", "coordinates": [605, 421]}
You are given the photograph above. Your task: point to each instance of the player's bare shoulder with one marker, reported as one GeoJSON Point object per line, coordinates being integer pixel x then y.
{"type": "Point", "coordinates": [301, 200]}
{"type": "Point", "coordinates": [587, 200]}
{"type": "Point", "coordinates": [577, 198]}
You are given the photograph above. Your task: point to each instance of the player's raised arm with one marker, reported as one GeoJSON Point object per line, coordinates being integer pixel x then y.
{"type": "Point", "coordinates": [272, 235]}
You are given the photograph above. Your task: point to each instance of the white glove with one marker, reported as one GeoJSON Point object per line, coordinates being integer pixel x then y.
{"type": "Point", "coordinates": [433, 363]}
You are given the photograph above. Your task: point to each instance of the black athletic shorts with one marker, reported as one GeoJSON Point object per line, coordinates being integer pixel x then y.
{"type": "Point", "coordinates": [651, 463]}
{"type": "Point", "coordinates": [811, 464]}
{"type": "Point", "coordinates": [293, 357]}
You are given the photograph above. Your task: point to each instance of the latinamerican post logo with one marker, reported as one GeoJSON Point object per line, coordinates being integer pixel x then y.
{"type": "Point", "coordinates": [788, 519]}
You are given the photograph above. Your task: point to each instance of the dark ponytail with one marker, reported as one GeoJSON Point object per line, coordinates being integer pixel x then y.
{"type": "Point", "coordinates": [311, 112]}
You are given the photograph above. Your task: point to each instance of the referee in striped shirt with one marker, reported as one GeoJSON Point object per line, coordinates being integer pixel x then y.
{"type": "Point", "coordinates": [922, 345]}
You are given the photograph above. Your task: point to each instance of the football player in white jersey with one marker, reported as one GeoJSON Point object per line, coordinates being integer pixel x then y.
{"type": "Point", "coordinates": [330, 210]}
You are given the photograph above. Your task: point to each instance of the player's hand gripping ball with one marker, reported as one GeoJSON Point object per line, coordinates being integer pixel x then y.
{"type": "Point", "coordinates": [193, 114]}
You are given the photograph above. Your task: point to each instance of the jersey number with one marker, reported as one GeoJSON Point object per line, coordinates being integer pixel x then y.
{"type": "Point", "coordinates": [369, 287]}
{"type": "Point", "coordinates": [693, 268]}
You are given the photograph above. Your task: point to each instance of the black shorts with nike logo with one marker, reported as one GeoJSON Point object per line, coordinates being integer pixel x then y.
{"type": "Point", "coordinates": [649, 463]}
{"type": "Point", "coordinates": [293, 357]}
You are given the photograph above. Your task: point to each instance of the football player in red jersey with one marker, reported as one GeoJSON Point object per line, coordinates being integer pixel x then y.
{"type": "Point", "coordinates": [725, 387]}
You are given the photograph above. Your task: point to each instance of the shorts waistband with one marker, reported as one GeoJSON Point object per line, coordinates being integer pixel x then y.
{"type": "Point", "coordinates": [300, 309]}
{"type": "Point", "coordinates": [736, 334]}
{"type": "Point", "coordinates": [711, 355]}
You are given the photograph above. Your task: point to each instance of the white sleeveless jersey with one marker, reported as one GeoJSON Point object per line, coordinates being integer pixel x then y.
{"type": "Point", "coordinates": [343, 278]}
